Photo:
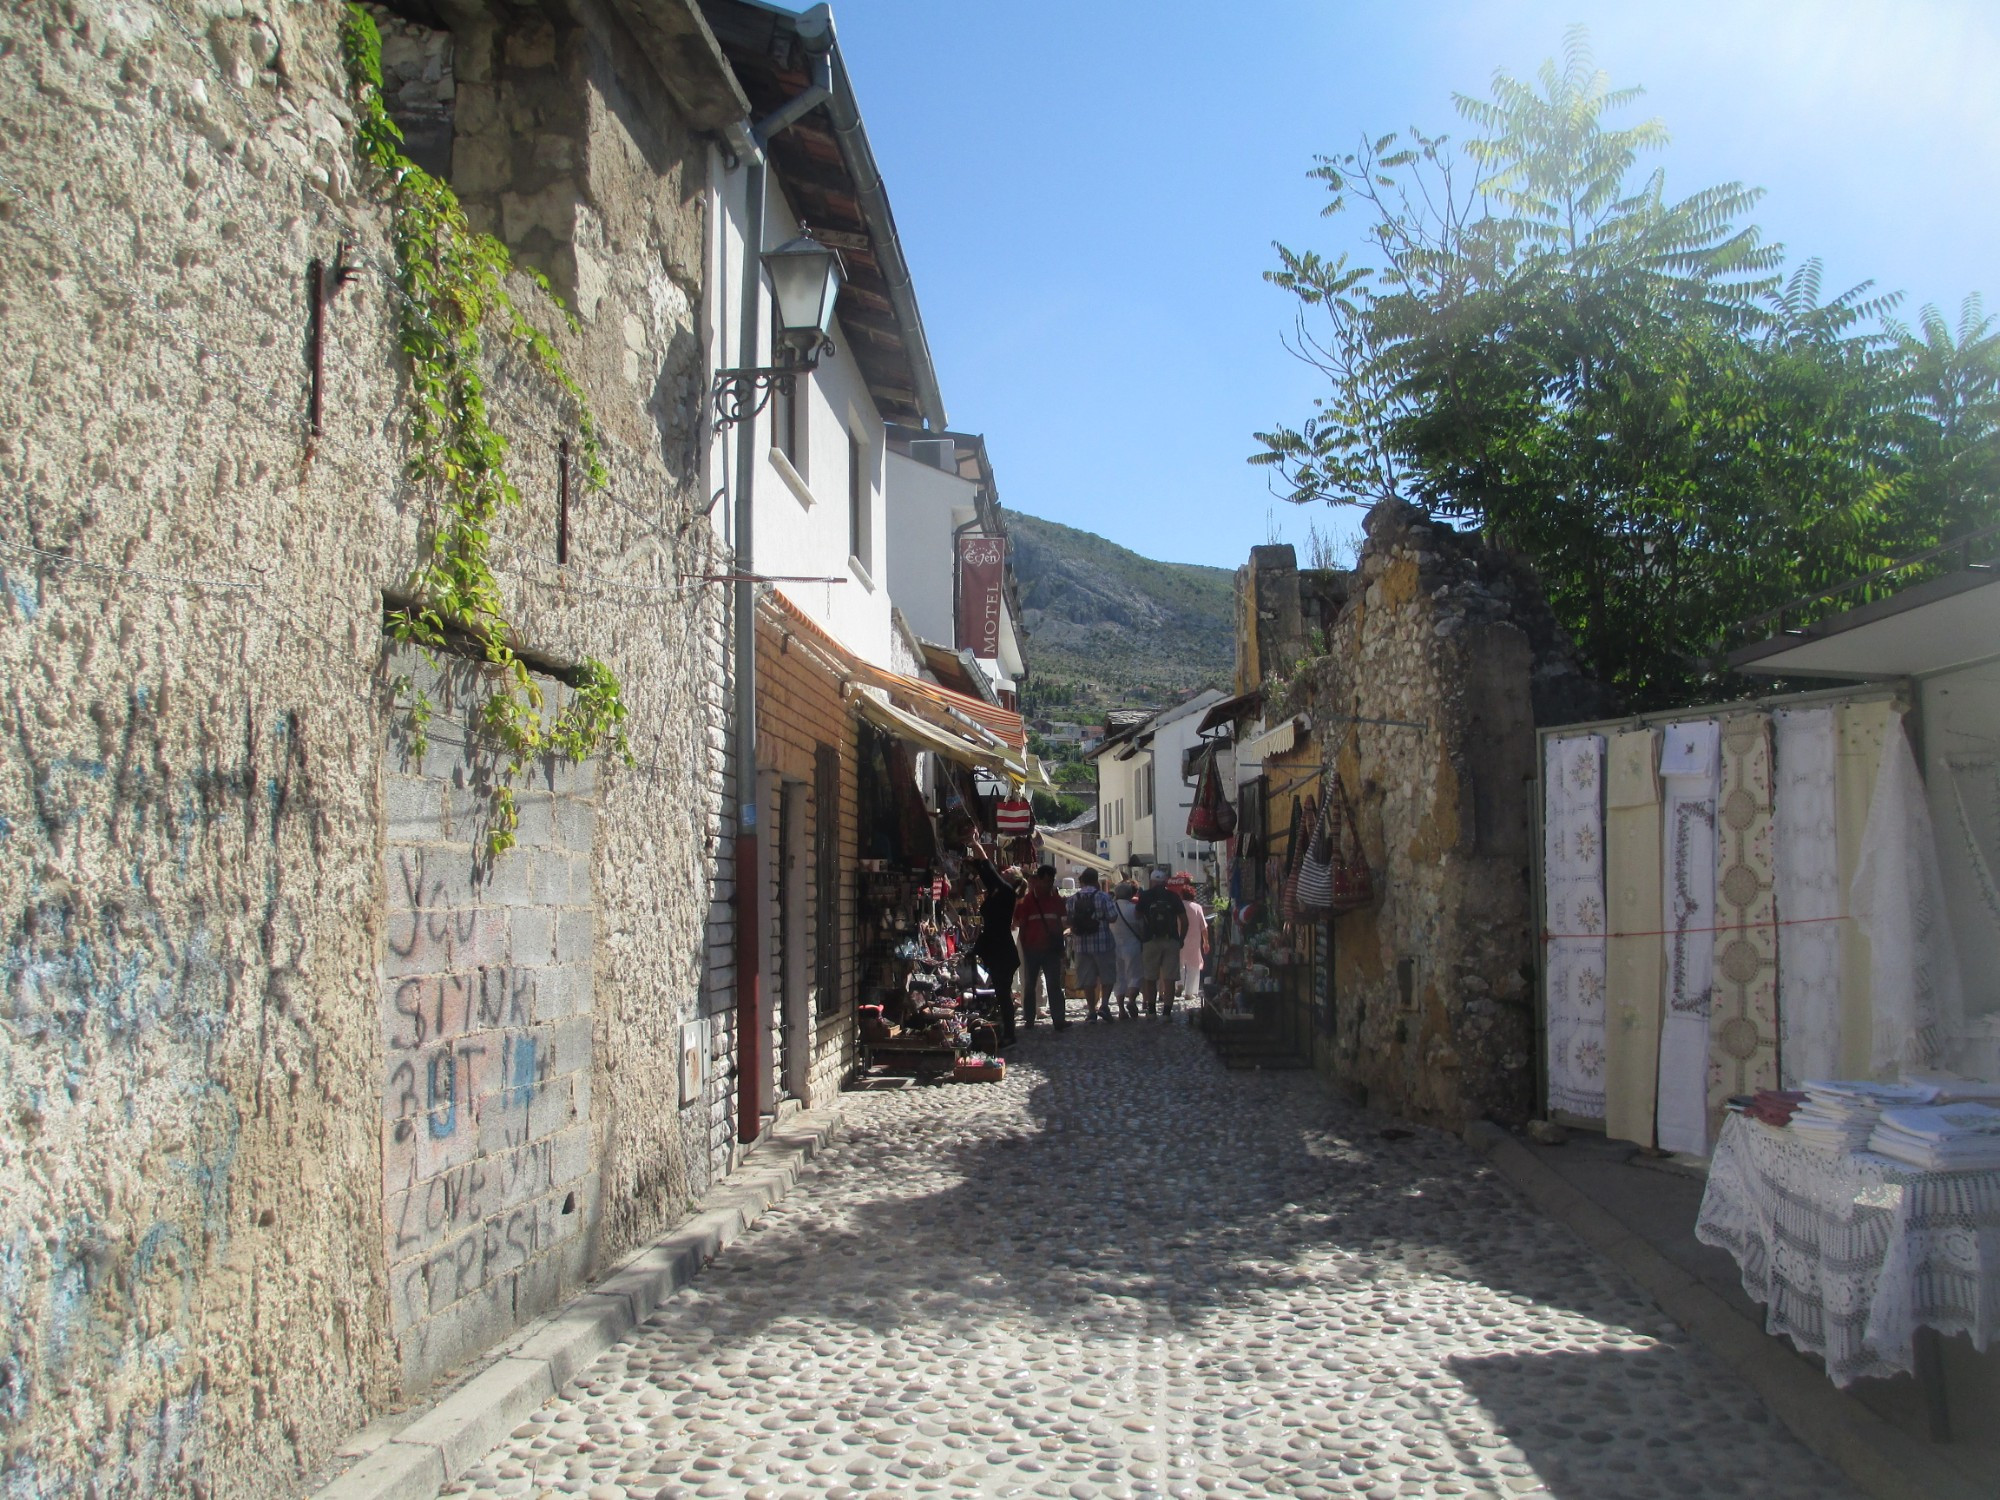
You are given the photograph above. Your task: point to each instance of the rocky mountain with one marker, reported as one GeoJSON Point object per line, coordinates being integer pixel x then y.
{"type": "Point", "coordinates": [1111, 629]}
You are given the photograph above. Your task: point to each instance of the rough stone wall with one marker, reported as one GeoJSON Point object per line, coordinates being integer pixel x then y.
{"type": "Point", "coordinates": [196, 883]}
{"type": "Point", "coordinates": [1433, 1011]}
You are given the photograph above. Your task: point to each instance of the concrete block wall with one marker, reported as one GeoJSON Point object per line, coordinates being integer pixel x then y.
{"type": "Point", "coordinates": [488, 1167]}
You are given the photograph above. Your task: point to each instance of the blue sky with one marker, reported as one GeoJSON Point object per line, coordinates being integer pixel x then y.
{"type": "Point", "coordinates": [1088, 193]}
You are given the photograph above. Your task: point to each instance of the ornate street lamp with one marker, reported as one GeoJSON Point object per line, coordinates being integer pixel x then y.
{"type": "Point", "coordinates": [805, 284]}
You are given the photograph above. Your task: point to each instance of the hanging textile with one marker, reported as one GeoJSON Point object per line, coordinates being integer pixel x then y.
{"type": "Point", "coordinates": [1687, 900]}
{"type": "Point", "coordinates": [1573, 895]}
{"type": "Point", "coordinates": [1633, 965]}
{"type": "Point", "coordinates": [1860, 730]}
{"type": "Point", "coordinates": [1807, 860]}
{"type": "Point", "coordinates": [1898, 898]}
{"type": "Point", "coordinates": [1743, 1009]}
{"type": "Point", "coordinates": [1014, 817]}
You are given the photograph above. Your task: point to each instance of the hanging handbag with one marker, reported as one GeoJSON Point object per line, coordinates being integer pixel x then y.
{"type": "Point", "coordinates": [1211, 819]}
{"type": "Point", "coordinates": [1313, 892]}
{"type": "Point", "coordinates": [1305, 817]}
{"type": "Point", "coordinates": [1352, 881]}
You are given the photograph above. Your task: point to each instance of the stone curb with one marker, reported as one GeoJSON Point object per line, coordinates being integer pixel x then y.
{"type": "Point", "coordinates": [439, 1442]}
{"type": "Point", "coordinates": [1880, 1459]}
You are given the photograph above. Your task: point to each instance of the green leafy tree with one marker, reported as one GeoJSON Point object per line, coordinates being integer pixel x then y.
{"type": "Point", "coordinates": [1624, 386]}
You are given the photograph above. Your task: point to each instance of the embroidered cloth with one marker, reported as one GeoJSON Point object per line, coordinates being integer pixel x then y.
{"type": "Point", "coordinates": [1851, 1253]}
{"type": "Point", "coordinates": [1573, 897]}
{"type": "Point", "coordinates": [1688, 763]}
{"type": "Point", "coordinates": [1808, 891]}
{"type": "Point", "coordinates": [1633, 965]}
{"type": "Point", "coordinates": [1743, 1008]}
{"type": "Point", "coordinates": [1860, 731]}
{"type": "Point", "coordinates": [1898, 898]}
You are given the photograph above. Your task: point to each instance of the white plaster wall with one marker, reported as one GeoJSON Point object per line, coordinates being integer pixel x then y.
{"type": "Point", "coordinates": [1118, 780]}
{"type": "Point", "coordinates": [925, 505]}
{"type": "Point", "coordinates": [802, 529]}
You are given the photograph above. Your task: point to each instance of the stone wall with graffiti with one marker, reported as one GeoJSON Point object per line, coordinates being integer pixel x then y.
{"type": "Point", "coordinates": [299, 1086]}
{"type": "Point", "coordinates": [487, 1161]}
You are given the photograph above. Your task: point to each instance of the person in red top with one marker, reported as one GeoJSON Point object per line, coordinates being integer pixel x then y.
{"type": "Point", "coordinates": [1039, 919]}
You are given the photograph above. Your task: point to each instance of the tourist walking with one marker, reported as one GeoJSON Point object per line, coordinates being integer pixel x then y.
{"type": "Point", "coordinates": [1126, 942]}
{"type": "Point", "coordinates": [1092, 945]}
{"type": "Point", "coordinates": [1039, 918]}
{"type": "Point", "coordinates": [994, 947]}
{"type": "Point", "coordinates": [1194, 948]}
{"type": "Point", "coordinates": [1163, 928]}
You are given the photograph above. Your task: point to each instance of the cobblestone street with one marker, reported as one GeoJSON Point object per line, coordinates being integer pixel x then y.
{"type": "Point", "coordinates": [1126, 1271]}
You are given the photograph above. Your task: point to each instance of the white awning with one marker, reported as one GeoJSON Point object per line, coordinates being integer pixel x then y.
{"type": "Point", "coordinates": [929, 736]}
{"type": "Point", "coordinates": [1075, 852]}
{"type": "Point", "coordinates": [1276, 740]}
{"type": "Point", "coordinates": [1933, 626]}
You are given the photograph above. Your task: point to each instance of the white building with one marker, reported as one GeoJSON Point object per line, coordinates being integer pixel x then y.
{"type": "Point", "coordinates": [940, 489]}
{"type": "Point", "coordinates": [1145, 788]}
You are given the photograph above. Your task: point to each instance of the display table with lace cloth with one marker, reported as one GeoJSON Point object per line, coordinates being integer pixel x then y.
{"type": "Point", "coordinates": [1852, 1253]}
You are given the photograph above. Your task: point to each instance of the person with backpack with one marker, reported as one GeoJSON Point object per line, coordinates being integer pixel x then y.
{"type": "Point", "coordinates": [1125, 939]}
{"type": "Point", "coordinates": [1163, 928]}
{"type": "Point", "coordinates": [1039, 917]}
{"type": "Point", "coordinates": [1090, 917]}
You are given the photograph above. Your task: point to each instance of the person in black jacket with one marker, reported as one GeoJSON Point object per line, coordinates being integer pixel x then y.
{"type": "Point", "coordinates": [995, 948]}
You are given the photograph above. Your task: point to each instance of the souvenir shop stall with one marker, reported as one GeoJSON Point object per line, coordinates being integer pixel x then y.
{"type": "Point", "coordinates": [1771, 941]}
{"type": "Point", "coordinates": [1295, 865]}
{"type": "Point", "coordinates": [922, 1008]}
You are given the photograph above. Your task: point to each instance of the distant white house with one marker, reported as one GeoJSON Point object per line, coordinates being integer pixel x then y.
{"type": "Point", "coordinates": [1144, 791]}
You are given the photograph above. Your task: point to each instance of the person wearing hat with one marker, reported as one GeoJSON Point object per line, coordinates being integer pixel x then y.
{"type": "Point", "coordinates": [1163, 928]}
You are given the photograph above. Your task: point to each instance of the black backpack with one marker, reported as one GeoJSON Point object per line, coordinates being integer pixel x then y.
{"type": "Point", "coordinates": [1160, 916]}
{"type": "Point", "coordinates": [1083, 914]}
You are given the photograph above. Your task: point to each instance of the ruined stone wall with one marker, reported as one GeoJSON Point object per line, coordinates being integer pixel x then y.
{"type": "Point", "coordinates": [209, 805]}
{"type": "Point", "coordinates": [1432, 1014]}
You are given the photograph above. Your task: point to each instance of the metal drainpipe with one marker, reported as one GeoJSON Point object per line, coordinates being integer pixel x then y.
{"type": "Point", "coordinates": [815, 29]}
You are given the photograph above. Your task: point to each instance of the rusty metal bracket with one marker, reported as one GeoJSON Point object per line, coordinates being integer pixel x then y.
{"type": "Point", "coordinates": [323, 284]}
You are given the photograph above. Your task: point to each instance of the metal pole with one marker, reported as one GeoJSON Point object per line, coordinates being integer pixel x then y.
{"type": "Point", "coordinates": [749, 951]}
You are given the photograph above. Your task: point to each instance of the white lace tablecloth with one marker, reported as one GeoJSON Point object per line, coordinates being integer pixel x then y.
{"type": "Point", "coordinates": [1852, 1253]}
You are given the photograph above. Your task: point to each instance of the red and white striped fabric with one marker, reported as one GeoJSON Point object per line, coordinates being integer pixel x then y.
{"type": "Point", "coordinates": [1015, 818]}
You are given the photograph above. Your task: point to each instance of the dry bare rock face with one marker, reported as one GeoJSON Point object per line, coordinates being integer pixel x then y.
{"type": "Point", "coordinates": [306, 1101]}
{"type": "Point", "coordinates": [1126, 1272]}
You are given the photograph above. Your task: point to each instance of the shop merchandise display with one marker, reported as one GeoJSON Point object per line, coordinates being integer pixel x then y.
{"type": "Point", "coordinates": [1634, 962]}
{"type": "Point", "coordinates": [1851, 1252]}
{"type": "Point", "coordinates": [1840, 1114]}
{"type": "Point", "coordinates": [1940, 1137]}
{"type": "Point", "coordinates": [1573, 876]}
{"type": "Point", "coordinates": [1897, 898]}
{"type": "Point", "coordinates": [1743, 1003]}
{"type": "Point", "coordinates": [1688, 766]}
{"type": "Point", "coordinates": [1808, 893]}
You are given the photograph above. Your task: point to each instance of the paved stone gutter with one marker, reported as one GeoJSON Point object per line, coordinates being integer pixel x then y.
{"type": "Point", "coordinates": [1878, 1457]}
{"type": "Point", "coordinates": [412, 1455]}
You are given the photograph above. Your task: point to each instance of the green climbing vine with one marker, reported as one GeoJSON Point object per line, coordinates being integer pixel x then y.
{"type": "Point", "coordinates": [453, 280]}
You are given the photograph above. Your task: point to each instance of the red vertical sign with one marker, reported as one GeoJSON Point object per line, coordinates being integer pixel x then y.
{"type": "Point", "coordinates": [982, 566]}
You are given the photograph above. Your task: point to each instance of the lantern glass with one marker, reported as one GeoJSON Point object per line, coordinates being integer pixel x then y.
{"type": "Point", "coordinates": [805, 283]}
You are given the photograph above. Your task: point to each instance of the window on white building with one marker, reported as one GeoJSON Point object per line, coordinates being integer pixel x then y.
{"type": "Point", "coordinates": [860, 544]}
